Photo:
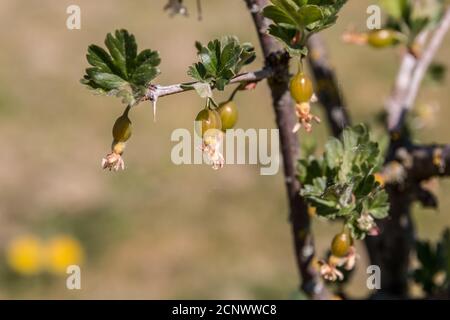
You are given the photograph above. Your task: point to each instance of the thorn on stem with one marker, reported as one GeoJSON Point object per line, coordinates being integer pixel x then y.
{"type": "Point", "coordinates": [154, 109]}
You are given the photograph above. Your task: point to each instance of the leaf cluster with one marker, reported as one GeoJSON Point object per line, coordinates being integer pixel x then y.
{"type": "Point", "coordinates": [121, 71]}
{"type": "Point", "coordinates": [341, 183]}
{"type": "Point", "coordinates": [220, 61]}
{"type": "Point", "coordinates": [294, 21]}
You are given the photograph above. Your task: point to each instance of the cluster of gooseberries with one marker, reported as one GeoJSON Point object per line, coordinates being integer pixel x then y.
{"type": "Point", "coordinates": [121, 134]}
{"type": "Point", "coordinates": [302, 92]}
{"type": "Point", "coordinates": [343, 255]}
{"type": "Point", "coordinates": [211, 123]}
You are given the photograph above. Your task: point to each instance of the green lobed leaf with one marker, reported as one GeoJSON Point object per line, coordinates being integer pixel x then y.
{"type": "Point", "coordinates": [310, 14]}
{"type": "Point", "coordinates": [220, 61]}
{"type": "Point", "coordinates": [277, 14]}
{"type": "Point", "coordinates": [378, 205]}
{"type": "Point", "coordinates": [294, 21]}
{"type": "Point", "coordinates": [334, 152]}
{"type": "Point", "coordinates": [284, 11]}
{"type": "Point", "coordinates": [122, 47]}
{"type": "Point", "coordinates": [198, 72]}
{"type": "Point", "coordinates": [120, 71]}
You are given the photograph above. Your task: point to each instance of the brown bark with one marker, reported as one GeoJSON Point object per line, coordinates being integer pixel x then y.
{"type": "Point", "coordinates": [278, 61]}
{"type": "Point", "coordinates": [391, 249]}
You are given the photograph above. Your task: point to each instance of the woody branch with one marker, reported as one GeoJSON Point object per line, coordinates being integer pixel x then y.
{"type": "Point", "coordinates": [426, 160]}
{"type": "Point", "coordinates": [391, 250]}
{"type": "Point", "coordinates": [411, 74]}
{"type": "Point", "coordinates": [278, 61]}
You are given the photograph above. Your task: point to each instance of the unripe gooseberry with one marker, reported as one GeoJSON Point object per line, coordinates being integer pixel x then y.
{"type": "Point", "coordinates": [382, 38]}
{"type": "Point", "coordinates": [340, 246]}
{"type": "Point", "coordinates": [228, 114]}
{"type": "Point", "coordinates": [207, 119]}
{"type": "Point", "coordinates": [122, 128]}
{"type": "Point", "coordinates": [301, 88]}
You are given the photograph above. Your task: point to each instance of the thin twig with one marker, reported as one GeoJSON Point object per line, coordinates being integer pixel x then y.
{"type": "Point", "coordinates": [427, 58]}
{"type": "Point", "coordinates": [199, 10]}
{"type": "Point", "coordinates": [411, 74]}
{"type": "Point", "coordinates": [394, 104]}
{"type": "Point", "coordinates": [156, 91]}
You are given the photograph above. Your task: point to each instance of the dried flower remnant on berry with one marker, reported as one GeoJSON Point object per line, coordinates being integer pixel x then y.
{"type": "Point", "coordinates": [211, 148]}
{"type": "Point", "coordinates": [330, 271]}
{"type": "Point", "coordinates": [113, 162]}
{"type": "Point", "coordinates": [208, 125]}
{"type": "Point", "coordinates": [350, 259]}
{"type": "Point", "coordinates": [305, 118]}
{"type": "Point", "coordinates": [347, 262]}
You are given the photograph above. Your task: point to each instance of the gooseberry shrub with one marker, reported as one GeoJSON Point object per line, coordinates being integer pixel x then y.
{"type": "Point", "coordinates": [349, 183]}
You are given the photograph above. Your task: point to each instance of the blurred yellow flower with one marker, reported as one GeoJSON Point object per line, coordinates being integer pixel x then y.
{"type": "Point", "coordinates": [24, 255]}
{"type": "Point", "coordinates": [63, 251]}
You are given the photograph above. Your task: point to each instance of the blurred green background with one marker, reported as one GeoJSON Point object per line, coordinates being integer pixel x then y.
{"type": "Point", "coordinates": [157, 230]}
